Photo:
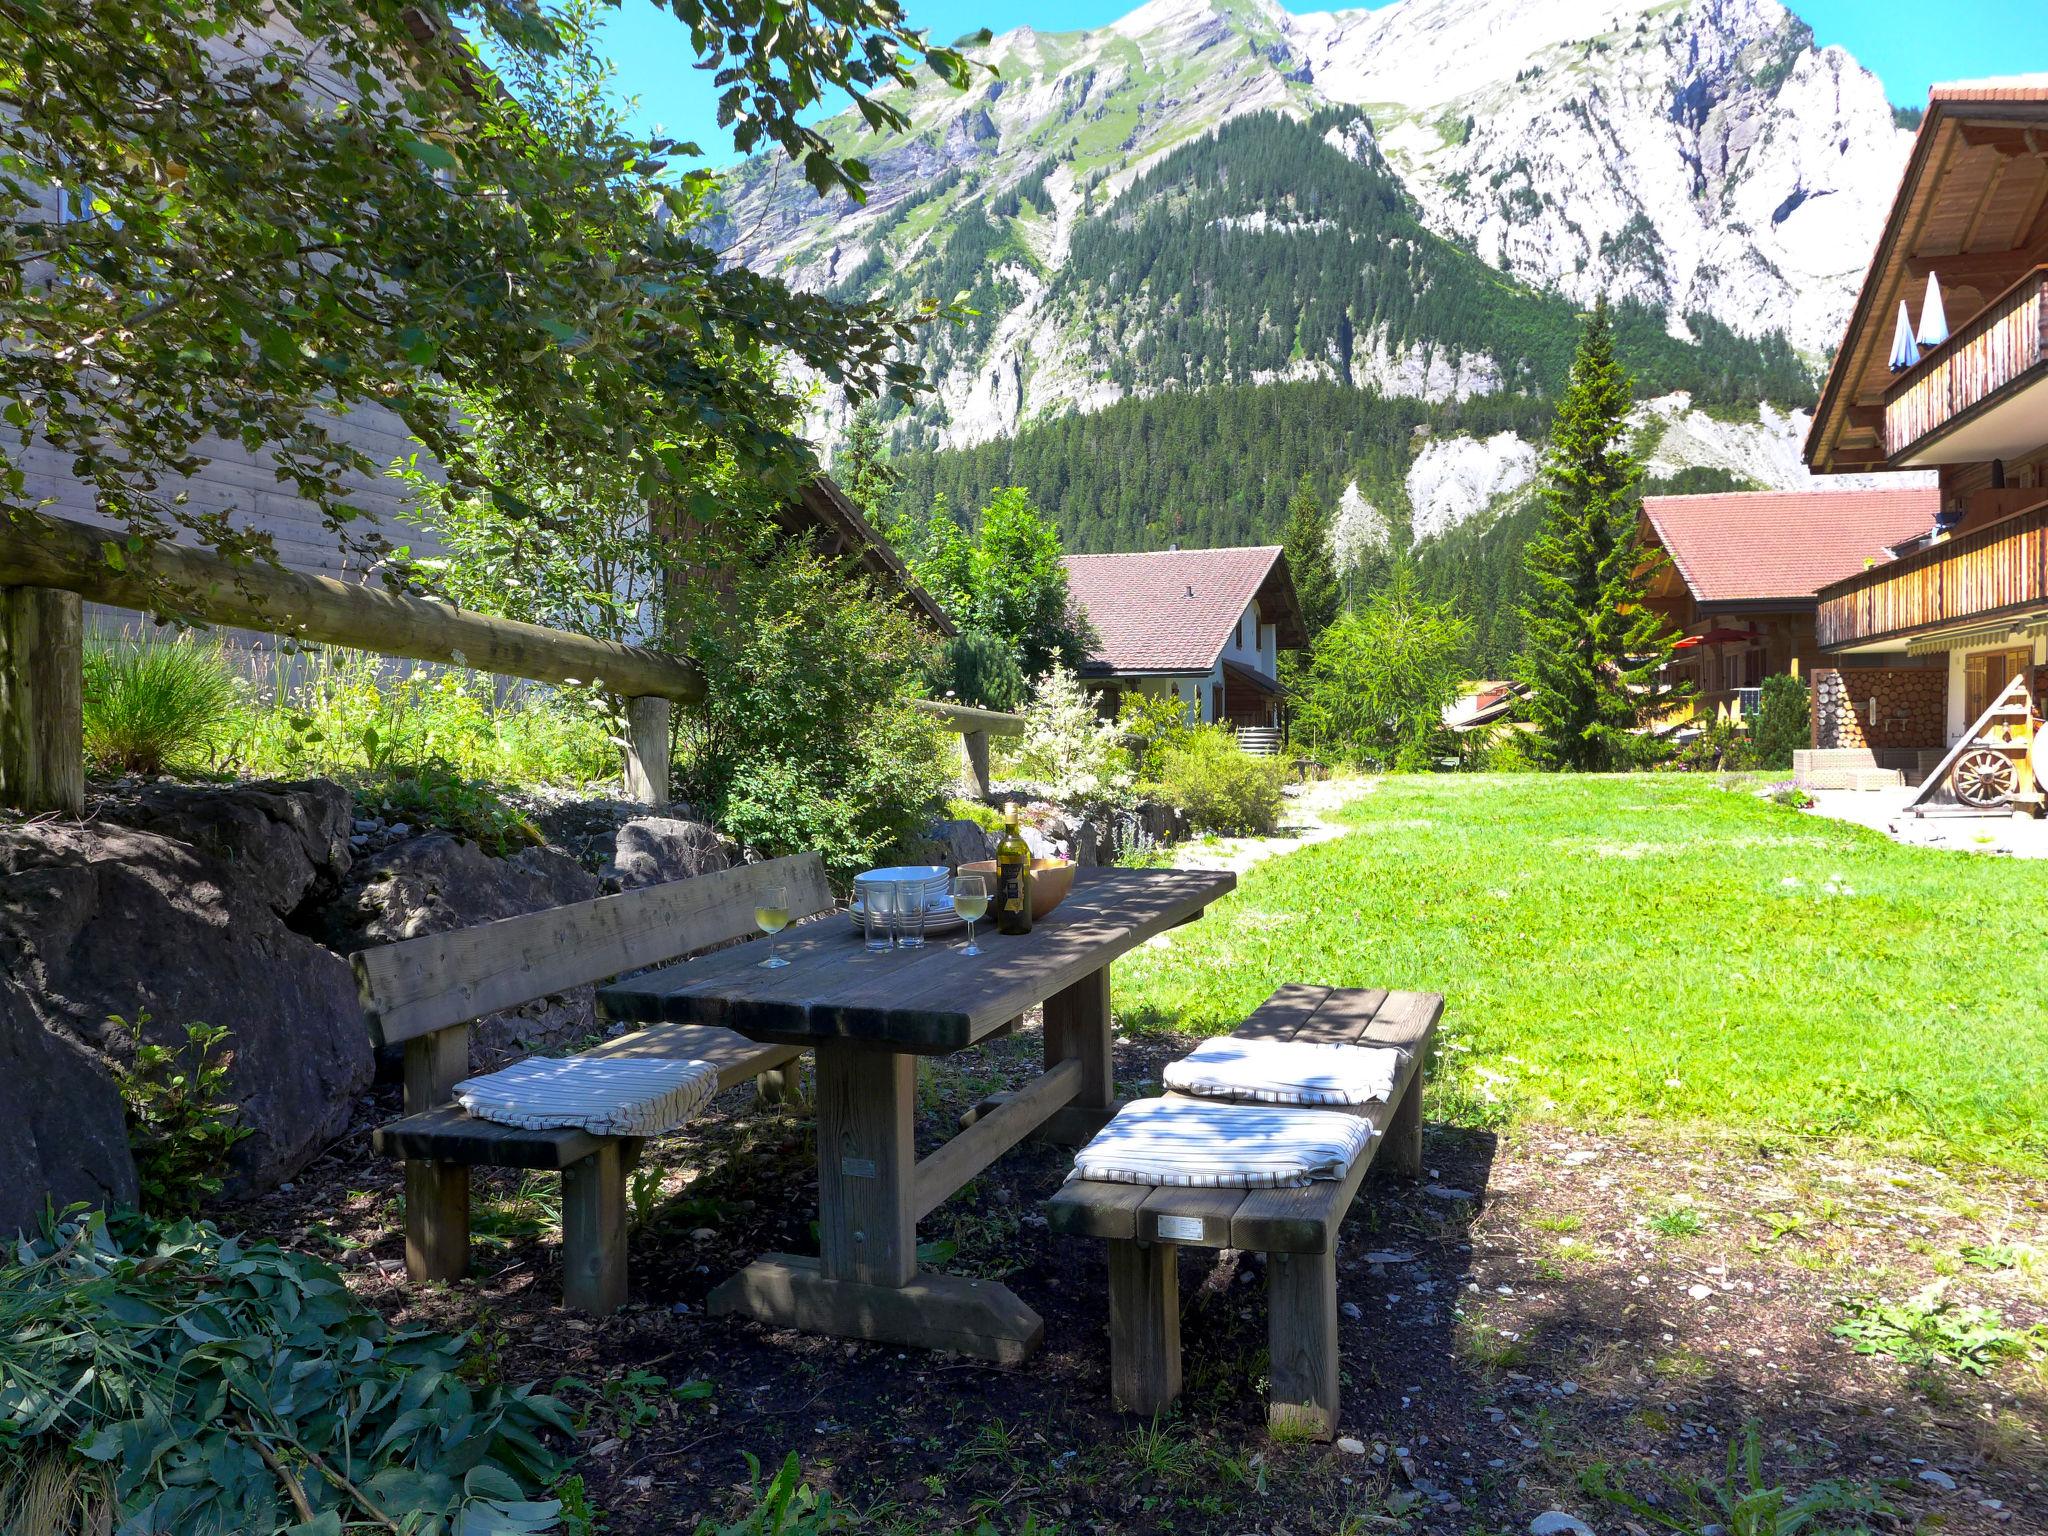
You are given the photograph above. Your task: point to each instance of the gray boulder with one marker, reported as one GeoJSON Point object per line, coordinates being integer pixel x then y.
{"type": "Point", "coordinates": [98, 921]}
{"type": "Point", "coordinates": [61, 1133]}
{"type": "Point", "coordinates": [282, 840]}
{"type": "Point", "coordinates": [654, 849]}
{"type": "Point", "coordinates": [958, 842]}
{"type": "Point", "coordinates": [438, 883]}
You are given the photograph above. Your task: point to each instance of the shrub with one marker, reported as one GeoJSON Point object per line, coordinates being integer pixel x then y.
{"type": "Point", "coordinates": [1781, 726]}
{"type": "Point", "coordinates": [1380, 677]}
{"type": "Point", "coordinates": [1077, 756]}
{"type": "Point", "coordinates": [181, 1117]}
{"type": "Point", "coordinates": [806, 738]}
{"type": "Point", "coordinates": [154, 704]}
{"type": "Point", "coordinates": [1222, 788]}
{"type": "Point", "coordinates": [980, 668]}
{"type": "Point", "coordinates": [1151, 723]}
{"type": "Point", "coordinates": [1721, 747]}
{"type": "Point", "coordinates": [218, 1385]}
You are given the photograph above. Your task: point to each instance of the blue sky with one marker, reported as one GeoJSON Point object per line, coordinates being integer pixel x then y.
{"type": "Point", "coordinates": [1907, 42]}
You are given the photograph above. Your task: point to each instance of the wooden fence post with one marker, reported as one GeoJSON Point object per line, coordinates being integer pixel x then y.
{"type": "Point", "coordinates": [42, 730]}
{"type": "Point", "coordinates": [647, 750]}
{"type": "Point", "coordinates": [974, 748]}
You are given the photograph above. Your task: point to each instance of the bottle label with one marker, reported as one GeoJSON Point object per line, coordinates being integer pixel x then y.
{"type": "Point", "coordinates": [1010, 888]}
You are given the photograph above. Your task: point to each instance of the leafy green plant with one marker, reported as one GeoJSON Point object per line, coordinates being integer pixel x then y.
{"type": "Point", "coordinates": [1152, 723]}
{"type": "Point", "coordinates": [152, 704]}
{"type": "Point", "coordinates": [785, 1506]}
{"type": "Point", "coordinates": [1222, 787]}
{"type": "Point", "coordinates": [228, 1387]}
{"type": "Point", "coordinates": [181, 1116]}
{"type": "Point", "coordinates": [431, 794]}
{"type": "Point", "coordinates": [1380, 676]}
{"type": "Point", "coordinates": [1930, 1329]}
{"type": "Point", "coordinates": [1741, 1503]}
{"type": "Point", "coordinates": [978, 667]}
{"type": "Point", "coordinates": [637, 1400]}
{"type": "Point", "coordinates": [1079, 757]}
{"type": "Point", "coordinates": [1678, 1221]}
{"type": "Point", "coordinates": [1781, 725]}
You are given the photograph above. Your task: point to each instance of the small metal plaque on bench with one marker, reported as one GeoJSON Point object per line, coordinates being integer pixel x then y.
{"type": "Point", "coordinates": [857, 1167]}
{"type": "Point", "coordinates": [1181, 1229]}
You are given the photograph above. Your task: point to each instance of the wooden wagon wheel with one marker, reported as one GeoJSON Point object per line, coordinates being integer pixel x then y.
{"type": "Point", "coordinates": [1984, 778]}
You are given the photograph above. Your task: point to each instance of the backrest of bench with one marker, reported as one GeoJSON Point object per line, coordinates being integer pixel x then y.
{"type": "Point", "coordinates": [417, 986]}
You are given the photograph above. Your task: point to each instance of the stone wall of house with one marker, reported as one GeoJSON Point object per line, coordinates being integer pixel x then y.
{"type": "Point", "coordinates": [1912, 707]}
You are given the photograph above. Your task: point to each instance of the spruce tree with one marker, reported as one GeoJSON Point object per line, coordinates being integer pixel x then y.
{"type": "Point", "coordinates": [862, 468]}
{"type": "Point", "coordinates": [1307, 541]}
{"type": "Point", "coordinates": [1593, 647]}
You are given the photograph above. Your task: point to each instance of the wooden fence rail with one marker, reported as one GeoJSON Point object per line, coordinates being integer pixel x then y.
{"type": "Point", "coordinates": [49, 566]}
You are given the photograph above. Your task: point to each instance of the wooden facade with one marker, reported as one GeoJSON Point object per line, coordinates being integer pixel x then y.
{"type": "Point", "coordinates": [1995, 572]}
{"type": "Point", "coordinates": [2002, 349]}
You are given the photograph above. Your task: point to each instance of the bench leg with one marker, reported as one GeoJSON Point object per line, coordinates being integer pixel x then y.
{"type": "Point", "coordinates": [1144, 1325]}
{"type": "Point", "coordinates": [1402, 1152]}
{"type": "Point", "coordinates": [1301, 1323]}
{"type": "Point", "coordinates": [436, 1220]}
{"type": "Point", "coordinates": [594, 1231]}
{"type": "Point", "coordinates": [1077, 1029]}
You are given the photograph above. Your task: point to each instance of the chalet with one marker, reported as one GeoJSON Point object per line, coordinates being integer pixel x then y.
{"type": "Point", "coordinates": [1944, 366]}
{"type": "Point", "coordinates": [1205, 626]}
{"type": "Point", "coordinates": [1744, 572]}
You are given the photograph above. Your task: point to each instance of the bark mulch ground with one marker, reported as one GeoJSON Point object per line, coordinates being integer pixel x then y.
{"type": "Point", "coordinates": [1551, 1308]}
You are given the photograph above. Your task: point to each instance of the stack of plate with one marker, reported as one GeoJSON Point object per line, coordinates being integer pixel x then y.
{"type": "Point", "coordinates": [931, 880]}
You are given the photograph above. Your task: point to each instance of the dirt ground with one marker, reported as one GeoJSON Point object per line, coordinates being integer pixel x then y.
{"type": "Point", "coordinates": [1548, 1308]}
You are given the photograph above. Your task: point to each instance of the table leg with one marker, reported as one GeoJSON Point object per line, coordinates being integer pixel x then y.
{"type": "Point", "coordinates": [1077, 1029]}
{"type": "Point", "coordinates": [865, 1284]}
{"type": "Point", "coordinates": [865, 1154]}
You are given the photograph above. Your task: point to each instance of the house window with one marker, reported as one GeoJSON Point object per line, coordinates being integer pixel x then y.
{"type": "Point", "coordinates": [1244, 633]}
{"type": "Point", "coordinates": [1216, 699]}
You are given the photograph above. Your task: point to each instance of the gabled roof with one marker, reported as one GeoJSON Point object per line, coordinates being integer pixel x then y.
{"type": "Point", "coordinates": [1173, 610]}
{"type": "Point", "coordinates": [1747, 547]}
{"type": "Point", "coordinates": [826, 512]}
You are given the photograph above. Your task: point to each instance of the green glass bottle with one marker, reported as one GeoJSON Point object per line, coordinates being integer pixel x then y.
{"type": "Point", "coordinates": [1013, 877]}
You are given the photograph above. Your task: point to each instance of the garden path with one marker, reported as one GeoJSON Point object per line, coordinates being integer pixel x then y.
{"type": "Point", "coordinates": [1304, 823]}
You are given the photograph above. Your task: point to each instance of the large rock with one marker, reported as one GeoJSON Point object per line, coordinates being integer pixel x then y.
{"type": "Point", "coordinates": [281, 840]}
{"type": "Point", "coordinates": [959, 841]}
{"type": "Point", "coordinates": [439, 882]}
{"type": "Point", "coordinates": [98, 921]}
{"type": "Point", "coordinates": [654, 849]}
{"type": "Point", "coordinates": [61, 1133]}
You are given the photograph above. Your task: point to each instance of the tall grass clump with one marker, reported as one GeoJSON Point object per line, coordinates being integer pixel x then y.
{"type": "Point", "coordinates": [153, 704]}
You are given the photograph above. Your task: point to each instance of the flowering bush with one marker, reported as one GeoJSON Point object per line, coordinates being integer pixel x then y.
{"type": "Point", "coordinates": [1077, 756]}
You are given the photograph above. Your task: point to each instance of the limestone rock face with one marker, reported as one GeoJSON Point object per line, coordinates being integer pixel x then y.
{"type": "Point", "coordinates": [439, 882]}
{"type": "Point", "coordinates": [283, 840]}
{"type": "Point", "coordinates": [655, 849]}
{"type": "Point", "coordinates": [98, 921]}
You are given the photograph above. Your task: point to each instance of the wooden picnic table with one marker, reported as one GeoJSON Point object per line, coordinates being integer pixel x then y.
{"type": "Point", "coordinates": [868, 1016]}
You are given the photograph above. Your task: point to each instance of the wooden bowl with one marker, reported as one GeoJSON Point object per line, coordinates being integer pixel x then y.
{"type": "Point", "coordinates": [1051, 879]}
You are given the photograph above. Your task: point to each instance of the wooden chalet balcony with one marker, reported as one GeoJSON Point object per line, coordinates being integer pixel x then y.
{"type": "Point", "coordinates": [1992, 573]}
{"type": "Point", "coordinates": [1983, 393]}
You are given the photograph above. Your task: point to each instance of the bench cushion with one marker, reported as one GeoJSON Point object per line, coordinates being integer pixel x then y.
{"type": "Point", "coordinates": [1198, 1144]}
{"type": "Point", "coordinates": [604, 1097]}
{"type": "Point", "coordinates": [1299, 1072]}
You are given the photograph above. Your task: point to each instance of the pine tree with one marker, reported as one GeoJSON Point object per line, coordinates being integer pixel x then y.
{"type": "Point", "coordinates": [1593, 648]}
{"type": "Point", "coordinates": [862, 468]}
{"type": "Point", "coordinates": [1307, 540]}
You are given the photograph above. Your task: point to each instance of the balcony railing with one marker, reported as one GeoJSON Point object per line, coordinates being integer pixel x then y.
{"type": "Point", "coordinates": [1985, 574]}
{"type": "Point", "coordinates": [2004, 342]}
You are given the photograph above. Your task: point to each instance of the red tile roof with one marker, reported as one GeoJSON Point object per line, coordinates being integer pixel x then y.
{"type": "Point", "coordinates": [1739, 547]}
{"type": "Point", "coordinates": [1173, 610]}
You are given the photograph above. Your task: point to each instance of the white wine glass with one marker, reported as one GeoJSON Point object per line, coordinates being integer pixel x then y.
{"type": "Point", "coordinates": [771, 915]}
{"type": "Point", "coordinates": [970, 900]}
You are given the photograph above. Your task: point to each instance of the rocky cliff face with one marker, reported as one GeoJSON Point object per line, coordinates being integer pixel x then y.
{"type": "Point", "coordinates": [1700, 157]}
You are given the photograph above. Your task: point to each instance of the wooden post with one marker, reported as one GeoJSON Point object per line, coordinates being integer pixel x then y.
{"type": "Point", "coordinates": [647, 750]}
{"type": "Point", "coordinates": [42, 732]}
{"type": "Point", "coordinates": [436, 1194]}
{"type": "Point", "coordinates": [866, 1228]}
{"type": "Point", "coordinates": [594, 1231]}
{"type": "Point", "coordinates": [1144, 1325]}
{"type": "Point", "coordinates": [1077, 1029]}
{"type": "Point", "coordinates": [1301, 1330]}
{"type": "Point", "coordinates": [974, 751]}
{"type": "Point", "coordinates": [1402, 1153]}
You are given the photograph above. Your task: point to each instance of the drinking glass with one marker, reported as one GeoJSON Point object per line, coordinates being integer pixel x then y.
{"type": "Point", "coordinates": [876, 903]}
{"type": "Point", "coordinates": [909, 914]}
{"type": "Point", "coordinates": [970, 900]}
{"type": "Point", "coordinates": [771, 915]}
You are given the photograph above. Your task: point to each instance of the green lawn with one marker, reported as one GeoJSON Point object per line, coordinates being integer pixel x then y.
{"type": "Point", "coordinates": [1656, 948]}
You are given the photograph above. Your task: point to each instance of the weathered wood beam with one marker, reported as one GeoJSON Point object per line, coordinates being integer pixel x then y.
{"type": "Point", "coordinates": [42, 732]}
{"type": "Point", "coordinates": [38, 550]}
{"type": "Point", "coordinates": [938, 1177]}
{"type": "Point", "coordinates": [965, 718]}
{"type": "Point", "coordinates": [647, 742]}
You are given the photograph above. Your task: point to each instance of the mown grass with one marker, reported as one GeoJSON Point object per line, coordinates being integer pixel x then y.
{"type": "Point", "coordinates": [1656, 949]}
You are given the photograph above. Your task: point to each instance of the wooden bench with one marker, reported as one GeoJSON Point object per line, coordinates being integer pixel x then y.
{"type": "Point", "coordinates": [1296, 1228]}
{"type": "Point", "coordinates": [424, 994]}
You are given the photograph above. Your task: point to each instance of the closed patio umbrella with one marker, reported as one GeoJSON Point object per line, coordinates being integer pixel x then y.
{"type": "Point", "coordinates": [1905, 351]}
{"type": "Point", "coordinates": [1933, 318]}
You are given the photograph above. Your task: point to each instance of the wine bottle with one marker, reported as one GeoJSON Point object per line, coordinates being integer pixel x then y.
{"type": "Point", "coordinates": [1013, 877]}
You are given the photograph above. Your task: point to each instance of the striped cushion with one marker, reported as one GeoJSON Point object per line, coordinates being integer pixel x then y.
{"type": "Point", "coordinates": [1194, 1144]}
{"type": "Point", "coordinates": [620, 1096]}
{"type": "Point", "coordinates": [1304, 1072]}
